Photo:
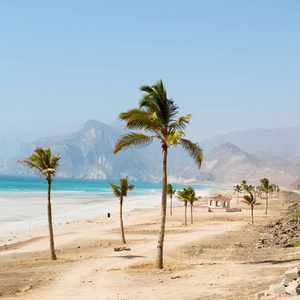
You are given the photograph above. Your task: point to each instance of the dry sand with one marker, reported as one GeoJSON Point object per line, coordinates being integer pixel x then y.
{"type": "Point", "coordinates": [215, 258]}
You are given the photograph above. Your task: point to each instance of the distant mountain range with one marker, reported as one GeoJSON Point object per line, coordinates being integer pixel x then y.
{"type": "Point", "coordinates": [88, 153]}
{"type": "Point", "coordinates": [284, 142]}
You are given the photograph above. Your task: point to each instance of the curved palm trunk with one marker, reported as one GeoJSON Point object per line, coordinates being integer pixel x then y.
{"type": "Point", "coordinates": [161, 234]}
{"type": "Point", "coordinates": [191, 213]}
{"type": "Point", "coordinates": [121, 221]}
{"type": "Point", "coordinates": [252, 214]}
{"type": "Point", "coordinates": [266, 211]}
{"type": "Point", "coordinates": [52, 250]}
{"type": "Point", "coordinates": [171, 205]}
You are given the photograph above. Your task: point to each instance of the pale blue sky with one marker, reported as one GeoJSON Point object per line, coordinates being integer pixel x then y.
{"type": "Point", "coordinates": [233, 64]}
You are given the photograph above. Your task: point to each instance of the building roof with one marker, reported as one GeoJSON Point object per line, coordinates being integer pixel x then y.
{"type": "Point", "coordinates": [220, 197]}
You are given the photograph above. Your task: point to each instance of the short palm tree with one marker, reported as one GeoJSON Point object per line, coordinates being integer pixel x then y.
{"type": "Point", "coordinates": [157, 115]}
{"type": "Point", "coordinates": [45, 164]}
{"type": "Point", "coordinates": [250, 200]}
{"type": "Point", "coordinates": [267, 188]}
{"type": "Point", "coordinates": [183, 196]}
{"type": "Point", "coordinates": [244, 185]}
{"type": "Point", "coordinates": [170, 192]}
{"type": "Point", "coordinates": [192, 198]}
{"type": "Point", "coordinates": [120, 192]}
{"type": "Point", "coordinates": [237, 189]}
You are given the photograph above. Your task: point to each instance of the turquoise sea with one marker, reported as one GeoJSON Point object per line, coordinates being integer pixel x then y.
{"type": "Point", "coordinates": [35, 184]}
{"type": "Point", "coordinates": [23, 200]}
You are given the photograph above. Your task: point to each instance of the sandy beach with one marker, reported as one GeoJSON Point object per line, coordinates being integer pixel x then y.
{"type": "Point", "coordinates": [215, 258]}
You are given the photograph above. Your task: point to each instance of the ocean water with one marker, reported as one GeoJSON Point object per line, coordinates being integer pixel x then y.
{"type": "Point", "coordinates": [23, 200]}
{"type": "Point", "coordinates": [32, 184]}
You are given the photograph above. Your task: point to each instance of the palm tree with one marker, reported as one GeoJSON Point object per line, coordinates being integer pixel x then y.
{"type": "Point", "coordinates": [183, 196]}
{"type": "Point", "coordinates": [170, 193]}
{"type": "Point", "coordinates": [120, 192]}
{"type": "Point", "coordinates": [156, 115]}
{"type": "Point", "coordinates": [192, 198]}
{"type": "Point", "coordinates": [250, 200]}
{"type": "Point", "coordinates": [237, 189]}
{"type": "Point", "coordinates": [45, 164]}
{"type": "Point", "coordinates": [267, 188]}
{"type": "Point", "coordinates": [244, 185]}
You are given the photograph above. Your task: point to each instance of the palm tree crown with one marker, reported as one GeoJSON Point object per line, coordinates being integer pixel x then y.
{"type": "Point", "coordinates": [156, 114]}
{"type": "Point", "coordinates": [42, 162]}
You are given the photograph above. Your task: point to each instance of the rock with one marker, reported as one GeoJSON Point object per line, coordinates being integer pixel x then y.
{"type": "Point", "coordinates": [293, 288]}
{"type": "Point", "coordinates": [292, 274]}
{"type": "Point", "coordinates": [122, 249]}
{"type": "Point", "coordinates": [276, 289]}
{"type": "Point", "coordinates": [286, 281]}
{"type": "Point", "coordinates": [26, 288]}
{"type": "Point", "coordinates": [260, 295]}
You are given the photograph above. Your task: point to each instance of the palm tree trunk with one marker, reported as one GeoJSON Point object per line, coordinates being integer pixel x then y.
{"type": "Point", "coordinates": [161, 234]}
{"type": "Point", "coordinates": [121, 221]}
{"type": "Point", "coordinates": [266, 211]}
{"type": "Point", "coordinates": [171, 206]}
{"type": "Point", "coordinates": [185, 218]}
{"type": "Point", "coordinates": [52, 250]}
{"type": "Point", "coordinates": [237, 199]}
{"type": "Point", "coordinates": [191, 213]}
{"type": "Point", "coordinates": [252, 214]}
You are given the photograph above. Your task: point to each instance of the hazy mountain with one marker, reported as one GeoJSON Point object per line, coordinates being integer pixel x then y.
{"type": "Point", "coordinates": [88, 153]}
{"type": "Point", "coordinates": [227, 164]}
{"type": "Point", "coordinates": [283, 142]}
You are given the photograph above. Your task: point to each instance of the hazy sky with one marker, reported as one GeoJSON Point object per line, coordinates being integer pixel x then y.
{"type": "Point", "coordinates": [233, 64]}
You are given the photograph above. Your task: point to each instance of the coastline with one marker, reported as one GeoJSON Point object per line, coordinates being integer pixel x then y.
{"type": "Point", "coordinates": [28, 210]}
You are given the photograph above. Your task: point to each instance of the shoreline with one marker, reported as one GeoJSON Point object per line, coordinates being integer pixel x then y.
{"type": "Point", "coordinates": [28, 210]}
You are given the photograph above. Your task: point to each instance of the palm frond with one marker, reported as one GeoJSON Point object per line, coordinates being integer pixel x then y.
{"type": "Point", "coordinates": [133, 140]}
{"type": "Point", "coordinates": [175, 137]}
{"type": "Point", "coordinates": [181, 122]}
{"type": "Point", "coordinates": [193, 150]}
{"type": "Point", "coordinates": [115, 189]}
{"type": "Point", "coordinates": [32, 165]}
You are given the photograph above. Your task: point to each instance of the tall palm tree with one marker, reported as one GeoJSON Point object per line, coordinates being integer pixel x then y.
{"type": "Point", "coordinates": [250, 200]}
{"type": "Point", "coordinates": [157, 115]}
{"type": "Point", "coordinates": [183, 196]}
{"type": "Point", "coordinates": [267, 188]}
{"type": "Point", "coordinates": [45, 164]}
{"type": "Point", "coordinates": [170, 192]}
{"type": "Point", "coordinates": [120, 192]}
{"type": "Point", "coordinates": [237, 189]}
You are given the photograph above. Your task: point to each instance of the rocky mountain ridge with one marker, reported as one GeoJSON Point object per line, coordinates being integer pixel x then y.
{"type": "Point", "coordinates": [88, 153]}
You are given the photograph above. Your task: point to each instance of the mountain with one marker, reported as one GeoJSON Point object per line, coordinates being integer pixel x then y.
{"type": "Point", "coordinates": [88, 153]}
{"type": "Point", "coordinates": [284, 142]}
{"type": "Point", "coordinates": [228, 165]}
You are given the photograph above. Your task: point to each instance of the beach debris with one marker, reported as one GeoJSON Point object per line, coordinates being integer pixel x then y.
{"type": "Point", "coordinates": [122, 249]}
{"type": "Point", "coordinates": [175, 277]}
{"type": "Point", "coordinates": [289, 285]}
